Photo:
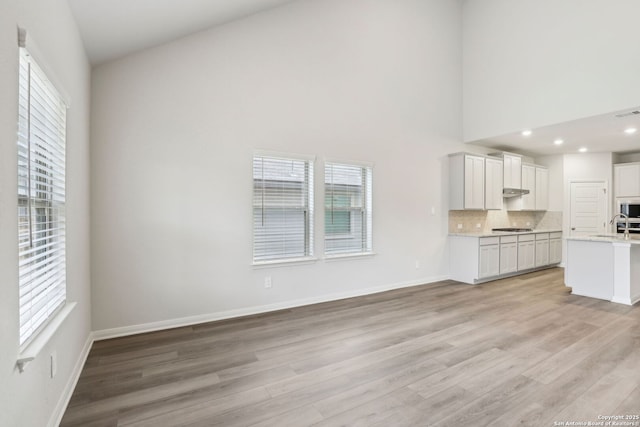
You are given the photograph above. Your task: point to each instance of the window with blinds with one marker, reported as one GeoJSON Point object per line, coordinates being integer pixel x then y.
{"type": "Point", "coordinates": [41, 198]}
{"type": "Point", "coordinates": [282, 208]}
{"type": "Point", "coordinates": [347, 209]}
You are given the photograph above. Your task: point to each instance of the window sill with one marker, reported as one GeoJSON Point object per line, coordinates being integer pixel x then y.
{"type": "Point", "coordinates": [283, 262]}
{"type": "Point", "coordinates": [31, 351]}
{"type": "Point", "coordinates": [347, 256]}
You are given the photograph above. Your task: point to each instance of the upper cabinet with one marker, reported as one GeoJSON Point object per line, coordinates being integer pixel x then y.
{"type": "Point", "coordinates": [512, 171]}
{"type": "Point", "coordinates": [529, 183]}
{"type": "Point", "coordinates": [626, 177]}
{"type": "Point", "coordinates": [476, 182]}
{"type": "Point", "coordinates": [536, 180]}
{"type": "Point", "coordinates": [466, 181]}
{"type": "Point", "coordinates": [542, 189]}
{"type": "Point", "coordinates": [493, 183]}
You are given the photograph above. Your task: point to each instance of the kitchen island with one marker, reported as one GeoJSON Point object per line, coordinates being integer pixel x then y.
{"type": "Point", "coordinates": [604, 266]}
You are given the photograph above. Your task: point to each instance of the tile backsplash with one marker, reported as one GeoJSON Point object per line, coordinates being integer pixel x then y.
{"type": "Point", "coordinates": [484, 221]}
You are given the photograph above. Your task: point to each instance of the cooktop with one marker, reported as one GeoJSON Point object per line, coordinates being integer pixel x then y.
{"type": "Point", "coordinates": [513, 229]}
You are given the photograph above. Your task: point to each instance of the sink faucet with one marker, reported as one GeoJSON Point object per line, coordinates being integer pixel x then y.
{"type": "Point", "coordinates": [626, 227]}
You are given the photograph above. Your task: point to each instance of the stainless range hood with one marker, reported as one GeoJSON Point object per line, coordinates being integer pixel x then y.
{"type": "Point", "coordinates": [514, 192]}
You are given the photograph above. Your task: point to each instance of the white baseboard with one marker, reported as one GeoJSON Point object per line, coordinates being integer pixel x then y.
{"type": "Point", "coordinates": [247, 311]}
{"type": "Point", "coordinates": [65, 397]}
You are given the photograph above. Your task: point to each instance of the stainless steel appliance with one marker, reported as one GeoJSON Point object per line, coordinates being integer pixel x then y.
{"type": "Point", "coordinates": [512, 230]}
{"type": "Point", "coordinates": [630, 208]}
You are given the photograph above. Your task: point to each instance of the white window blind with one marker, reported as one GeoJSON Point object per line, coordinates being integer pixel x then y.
{"type": "Point", "coordinates": [347, 209]}
{"type": "Point", "coordinates": [282, 208]}
{"type": "Point", "coordinates": [41, 198]}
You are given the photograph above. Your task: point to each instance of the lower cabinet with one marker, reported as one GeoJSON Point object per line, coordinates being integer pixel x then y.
{"type": "Point", "coordinates": [476, 259]}
{"type": "Point", "coordinates": [508, 254]}
{"type": "Point", "coordinates": [526, 252]}
{"type": "Point", "coordinates": [489, 257]}
{"type": "Point", "coordinates": [555, 248]}
{"type": "Point", "coordinates": [542, 249]}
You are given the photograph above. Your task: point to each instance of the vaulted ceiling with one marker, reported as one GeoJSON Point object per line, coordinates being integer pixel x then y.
{"type": "Point", "coordinates": [114, 28]}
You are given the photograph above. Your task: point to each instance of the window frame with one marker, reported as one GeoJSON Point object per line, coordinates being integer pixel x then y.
{"type": "Point", "coordinates": [366, 210]}
{"type": "Point", "coordinates": [42, 163]}
{"type": "Point", "coordinates": [309, 226]}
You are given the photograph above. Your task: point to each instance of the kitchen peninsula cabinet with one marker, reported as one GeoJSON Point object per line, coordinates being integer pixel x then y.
{"type": "Point", "coordinates": [604, 267]}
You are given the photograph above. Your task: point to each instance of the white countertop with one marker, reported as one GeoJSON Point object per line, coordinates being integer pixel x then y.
{"type": "Point", "coordinates": [507, 233]}
{"type": "Point", "coordinates": [608, 238]}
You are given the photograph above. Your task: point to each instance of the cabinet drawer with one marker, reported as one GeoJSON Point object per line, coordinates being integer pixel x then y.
{"type": "Point", "coordinates": [484, 241]}
{"type": "Point", "coordinates": [556, 235]}
{"type": "Point", "coordinates": [508, 239]}
{"type": "Point", "coordinates": [526, 238]}
{"type": "Point", "coordinates": [542, 236]}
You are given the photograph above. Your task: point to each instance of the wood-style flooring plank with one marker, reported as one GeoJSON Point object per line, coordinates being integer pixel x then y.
{"type": "Point", "coordinates": [520, 351]}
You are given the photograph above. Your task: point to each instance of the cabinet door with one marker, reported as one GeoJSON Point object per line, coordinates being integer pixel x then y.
{"type": "Point", "coordinates": [542, 253]}
{"type": "Point", "coordinates": [489, 261]}
{"type": "Point", "coordinates": [493, 184]}
{"type": "Point", "coordinates": [542, 189]}
{"type": "Point", "coordinates": [529, 183]}
{"type": "Point", "coordinates": [627, 180]}
{"type": "Point", "coordinates": [512, 171]}
{"type": "Point", "coordinates": [508, 258]}
{"type": "Point", "coordinates": [526, 255]}
{"type": "Point", "coordinates": [555, 251]}
{"type": "Point", "coordinates": [473, 182]}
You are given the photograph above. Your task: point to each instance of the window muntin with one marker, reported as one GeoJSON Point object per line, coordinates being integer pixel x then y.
{"type": "Point", "coordinates": [348, 209]}
{"type": "Point", "coordinates": [282, 208]}
{"type": "Point", "coordinates": [41, 198]}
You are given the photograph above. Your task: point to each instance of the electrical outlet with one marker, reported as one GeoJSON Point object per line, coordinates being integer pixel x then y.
{"type": "Point", "coordinates": [54, 364]}
{"type": "Point", "coordinates": [478, 225]}
{"type": "Point", "coordinates": [417, 264]}
{"type": "Point", "coordinates": [528, 224]}
{"type": "Point", "coordinates": [433, 210]}
{"type": "Point", "coordinates": [459, 226]}
{"type": "Point", "coordinates": [267, 282]}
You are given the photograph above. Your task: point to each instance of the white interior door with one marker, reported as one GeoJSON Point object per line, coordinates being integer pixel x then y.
{"type": "Point", "coordinates": [588, 208]}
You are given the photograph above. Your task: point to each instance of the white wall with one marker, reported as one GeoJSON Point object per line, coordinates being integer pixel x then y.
{"type": "Point", "coordinates": [531, 63]}
{"type": "Point", "coordinates": [31, 398]}
{"type": "Point", "coordinates": [174, 129]}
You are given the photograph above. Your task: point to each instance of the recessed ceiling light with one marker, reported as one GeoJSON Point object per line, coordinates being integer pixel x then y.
{"type": "Point", "coordinates": [526, 132]}
{"type": "Point", "coordinates": [583, 150]}
{"type": "Point", "coordinates": [630, 131]}
{"type": "Point", "coordinates": [558, 141]}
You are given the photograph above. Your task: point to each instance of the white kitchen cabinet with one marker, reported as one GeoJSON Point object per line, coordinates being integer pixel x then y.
{"type": "Point", "coordinates": [466, 181]}
{"type": "Point", "coordinates": [555, 248]}
{"type": "Point", "coordinates": [493, 183]}
{"type": "Point", "coordinates": [508, 254]}
{"type": "Point", "coordinates": [489, 258]}
{"type": "Point", "coordinates": [512, 171]}
{"type": "Point", "coordinates": [542, 189]}
{"type": "Point", "coordinates": [474, 259]}
{"type": "Point", "coordinates": [536, 180]}
{"type": "Point", "coordinates": [542, 249]}
{"type": "Point", "coordinates": [526, 252]}
{"type": "Point", "coordinates": [626, 177]}
{"type": "Point", "coordinates": [529, 183]}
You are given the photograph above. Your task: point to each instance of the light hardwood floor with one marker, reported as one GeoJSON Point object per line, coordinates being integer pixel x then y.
{"type": "Point", "coordinates": [519, 351]}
